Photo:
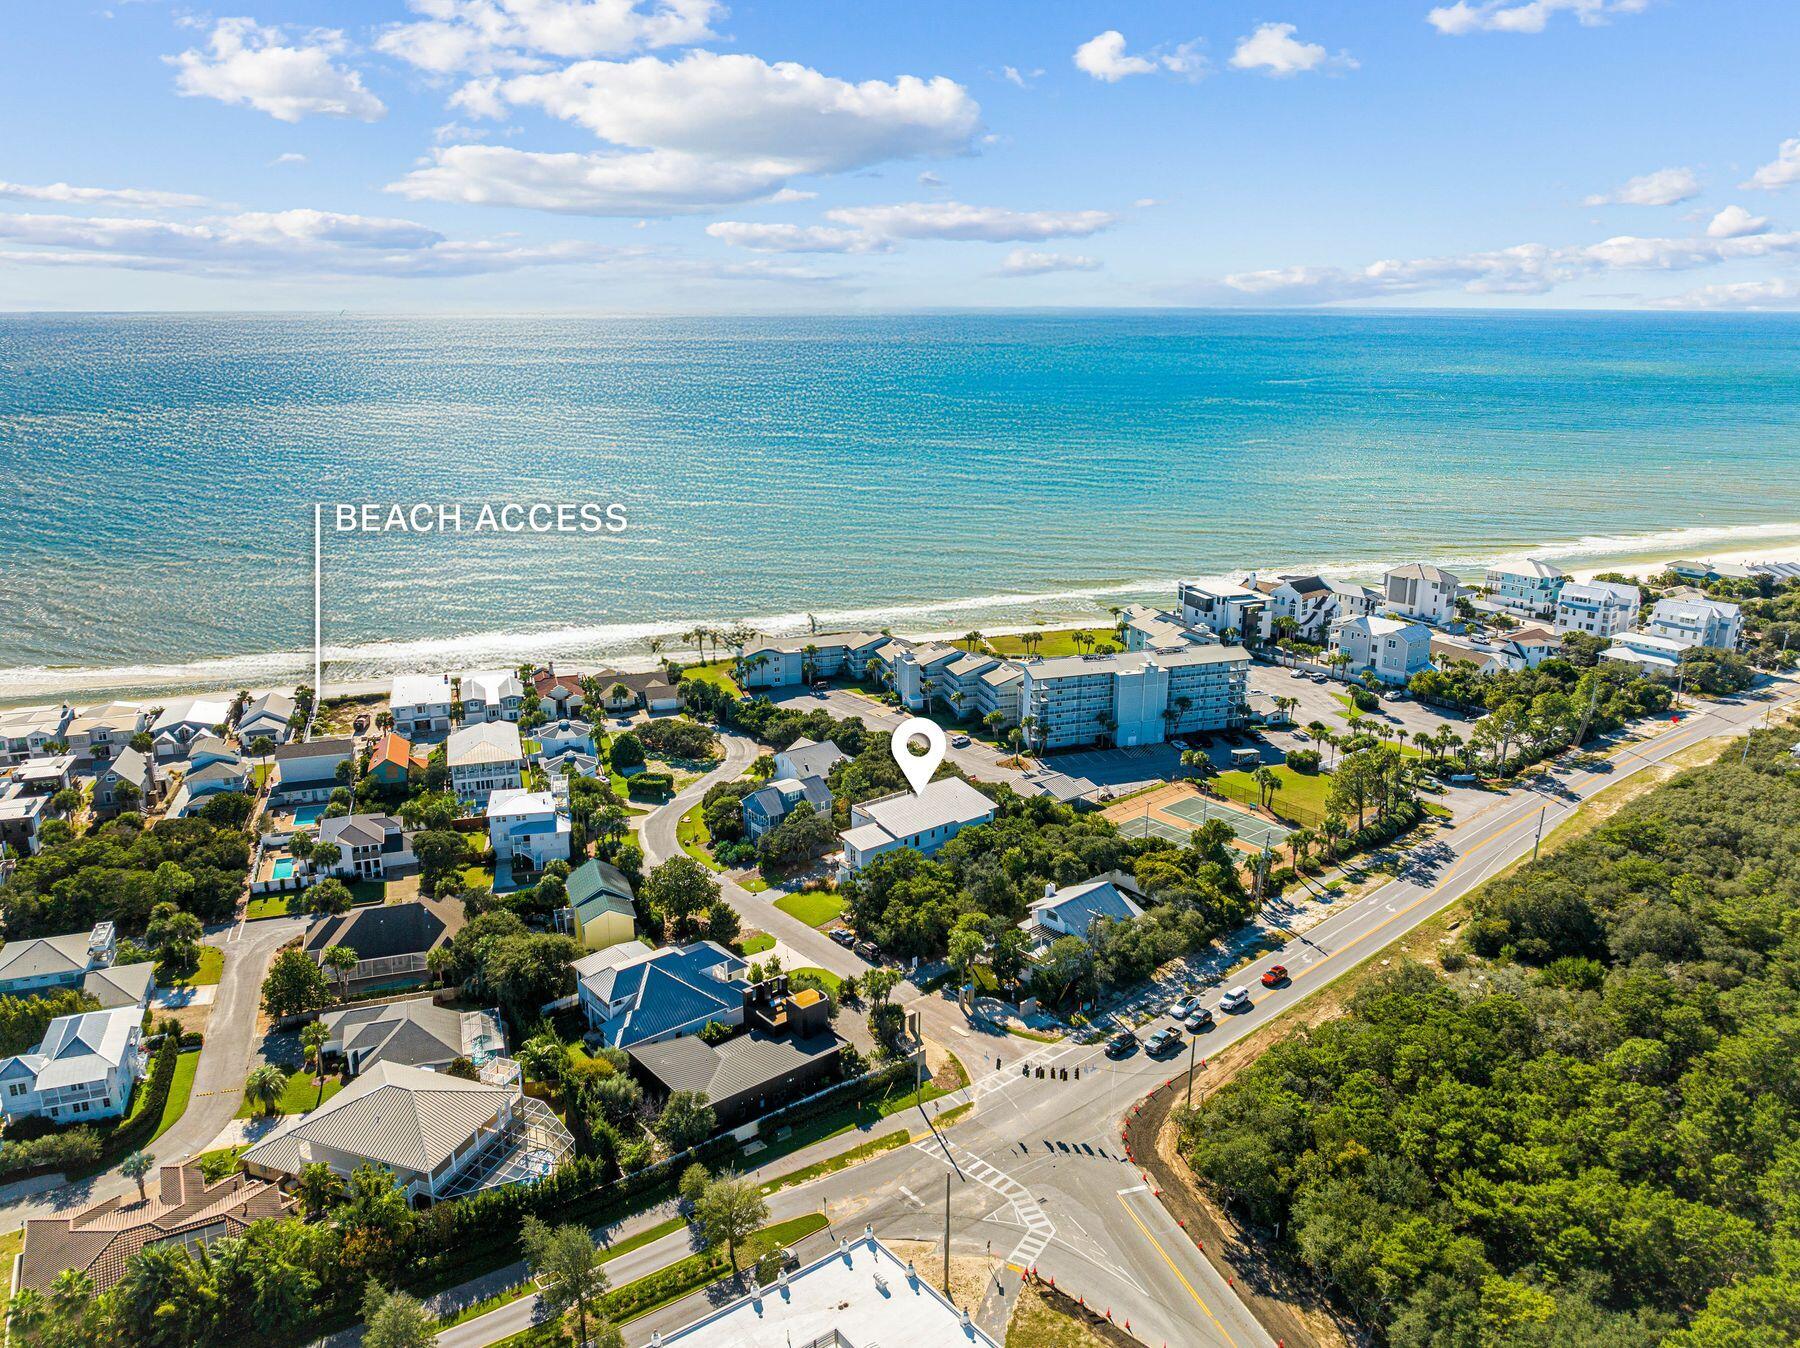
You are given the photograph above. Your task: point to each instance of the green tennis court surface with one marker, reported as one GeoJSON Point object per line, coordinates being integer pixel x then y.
{"type": "Point", "coordinates": [1256, 831]}
{"type": "Point", "coordinates": [1142, 826]}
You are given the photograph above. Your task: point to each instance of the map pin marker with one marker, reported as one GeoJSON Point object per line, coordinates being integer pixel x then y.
{"type": "Point", "coordinates": [918, 767]}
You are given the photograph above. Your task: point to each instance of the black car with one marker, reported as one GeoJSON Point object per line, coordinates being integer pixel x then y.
{"type": "Point", "coordinates": [843, 936]}
{"type": "Point", "coordinates": [1121, 1044]}
{"type": "Point", "coordinates": [869, 951]}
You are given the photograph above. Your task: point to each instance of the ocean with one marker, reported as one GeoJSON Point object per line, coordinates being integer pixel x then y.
{"type": "Point", "coordinates": [925, 473]}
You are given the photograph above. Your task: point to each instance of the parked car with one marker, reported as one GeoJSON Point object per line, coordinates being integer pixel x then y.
{"type": "Point", "coordinates": [1302, 736]}
{"type": "Point", "coordinates": [1274, 976]}
{"type": "Point", "coordinates": [959, 741]}
{"type": "Point", "coordinates": [843, 936]}
{"type": "Point", "coordinates": [1163, 1041]}
{"type": "Point", "coordinates": [868, 950]}
{"type": "Point", "coordinates": [1235, 999]}
{"type": "Point", "coordinates": [1297, 674]}
{"type": "Point", "coordinates": [1200, 1018]}
{"type": "Point", "coordinates": [1121, 1044]}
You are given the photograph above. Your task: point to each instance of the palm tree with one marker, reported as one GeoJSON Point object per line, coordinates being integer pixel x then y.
{"type": "Point", "coordinates": [973, 641]}
{"type": "Point", "coordinates": [340, 960]}
{"type": "Point", "coordinates": [1031, 641]}
{"type": "Point", "coordinates": [1332, 830]}
{"type": "Point", "coordinates": [1299, 840]}
{"type": "Point", "coordinates": [1267, 784]}
{"type": "Point", "coordinates": [136, 1166]}
{"type": "Point", "coordinates": [264, 1087]}
{"type": "Point", "coordinates": [312, 1043]}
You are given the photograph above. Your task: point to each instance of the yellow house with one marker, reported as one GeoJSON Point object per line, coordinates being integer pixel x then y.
{"type": "Point", "coordinates": [601, 899]}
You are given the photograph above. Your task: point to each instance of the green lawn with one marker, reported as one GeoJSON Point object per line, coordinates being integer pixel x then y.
{"type": "Point", "coordinates": [691, 832]}
{"type": "Point", "coordinates": [842, 1161]}
{"type": "Point", "coordinates": [756, 944]}
{"type": "Point", "coordinates": [179, 1090]}
{"type": "Point", "coordinates": [607, 1254]}
{"type": "Point", "coordinates": [212, 964]}
{"type": "Point", "coordinates": [281, 905]}
{"type": "Point", "coordinates": [302, 1094]}
{"type": "Point", "coordinates": [1059, 642]}
{"type": "Point", "coordinates": [260, 774]}
{"type": "Point", "coordinates": [716, 672]}
{"type": "Point", "coordinates": [1304, 791]}
{"type": "Point", "coordinates": [825, 976]}
{"type": "Point", "coordinates": [813, 909]}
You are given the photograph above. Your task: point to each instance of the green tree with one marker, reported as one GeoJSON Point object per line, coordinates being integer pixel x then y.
{"type": "Point", "coordinates": [569, 1270]}
{"type": "Point", "coordinates": [731, 1210]}
{"type": "Point", "coordinates": [679, 889]}
{"type": "Point", "coordinates": [687, 1120]}
{"type": "Point", "coordinates": [328, 897]}
{"type": "Point", "coordinates": [392, 1319]}
{"type": "Point", "coordinates": [294, 985]}
{"type": "Point", "coordinates": [341, 962]}
{"type": "Point", "coordinates": [319, 1188]}
{"type": "Point", "coordinates": [135, 1167]}
{"type": "Point", "coordinates": [264, 1087]}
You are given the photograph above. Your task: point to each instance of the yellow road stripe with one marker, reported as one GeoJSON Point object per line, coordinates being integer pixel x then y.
{"type": "Point", "coordinates": [1198, 1299]}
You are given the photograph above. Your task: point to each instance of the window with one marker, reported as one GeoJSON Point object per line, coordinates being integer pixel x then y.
{"type": "Point", "coordinates": [17, 1088]}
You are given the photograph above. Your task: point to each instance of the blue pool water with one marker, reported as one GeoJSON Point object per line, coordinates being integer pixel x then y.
{"type": "Point", "coordinates": [305, 816]}
{"type": "Point", "coordinates": [284, 869]}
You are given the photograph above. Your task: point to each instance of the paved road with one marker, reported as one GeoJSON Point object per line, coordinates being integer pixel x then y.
{"type": "Point", "coordinates": [980, 761]}
{"type": "Point", "coordinates": [218, 1079]}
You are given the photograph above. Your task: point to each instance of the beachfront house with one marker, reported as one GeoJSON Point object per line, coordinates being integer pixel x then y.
{"type": "Point", "coordinates": [484, 759]}
{"type": "Point", "coordinates": [269, 717]}
{"type": "Point", "coordinates": [1129, 698]}
{"type": "Point", "coordinates": [84, 1070]}
{"type": "Point", "coordinates": [310, 771]}
{"type": "Point", "coordinates": [102, 733]}
{"type": "Point", "coordinates": [924, 821]}
{"type": "Point", "coordinates": [370, 847]}
{"type": "Point", "coordinates": [527, 826]}
{"type": "Point", "coordinates": [184, 721]}
{"type": "Point", "coordinates": [558, 694]}
{"type": "Point", "coordinates": [662, 994]}
{"type": "Point", "coordinates": [488, 695]}
{"type": "Point", "coordinates": [1527, 588]}
{"type": "Point", "coordinates": [420, 704]}
{"type": "Point", "coordinates": [1697, 622]}
{"type": "Point", "coordinates": [601, 911]}
{"type": "Point", "coordinates": [1600, 608]}
{"type": "Point", "coordinates": [1393, 650]}
{"type": "Point", "coordinates": [1307, 599]}
{"type": "Point", "coordinates": [1229, 610]}
{"type": "Point", "coordinates": [1421, 592]}
{"type": "Point", "coordinates": [25, 732]}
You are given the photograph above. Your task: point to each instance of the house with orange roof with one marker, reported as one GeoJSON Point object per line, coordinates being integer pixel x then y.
{"type": "Point", "coordinates": [393, 758]}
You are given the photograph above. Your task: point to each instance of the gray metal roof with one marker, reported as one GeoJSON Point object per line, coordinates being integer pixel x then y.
{"type": "Point", "coordinates": [735, 1067]}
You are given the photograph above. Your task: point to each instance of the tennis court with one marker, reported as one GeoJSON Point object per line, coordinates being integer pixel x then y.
{"type": "Point", "coordinates": [1253, 829]}
{"type": "Point", "coordinates": [1144, 826]}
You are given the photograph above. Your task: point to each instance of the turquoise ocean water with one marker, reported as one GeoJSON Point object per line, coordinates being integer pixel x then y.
{"type": "Point", "coordinates": [932, 472]}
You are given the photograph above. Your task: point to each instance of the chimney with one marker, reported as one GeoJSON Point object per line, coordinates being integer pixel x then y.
{"type": "Point", "coordinates": [171, 1184]}
{"type": "Point", "coordinates": [1049, 889]}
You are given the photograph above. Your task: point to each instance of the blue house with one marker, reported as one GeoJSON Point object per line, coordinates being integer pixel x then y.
{"type": "Point", "coordinates": [664, 994]}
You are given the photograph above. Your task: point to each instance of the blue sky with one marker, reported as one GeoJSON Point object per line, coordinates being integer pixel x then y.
{"type": "Point", "coordinates": [704, 155]}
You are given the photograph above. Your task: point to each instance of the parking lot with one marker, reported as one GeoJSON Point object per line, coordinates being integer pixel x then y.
{"type": "Point", "coordinates": [1324, 702]}
{"type": "Point", "coordinates": [1120, 771]}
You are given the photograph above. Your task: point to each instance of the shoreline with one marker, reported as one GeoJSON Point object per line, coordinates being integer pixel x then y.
{"type": "Point", "coordinates": [281, 670]}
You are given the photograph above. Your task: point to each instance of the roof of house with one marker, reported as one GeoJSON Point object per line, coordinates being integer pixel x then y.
{"type": "Point", "coordinates": [402, 1117]}
{"type": "Point", "coordinates": [228, 772]}
{"type": "Point", "coordinates": [797, 645]}
{"type": "Point", "coordinates": [330, 748]}
{"type": "Point", "coordinates": [119, 985]}
{"type": "Point", "coordinates": [595, 884]}
{"type": "Point", "coordinates": [1683, 603]}
{"type": "Point", "coordinates": [101, 1239]}
{"type": "Point", "coordinates": [270, 706]}
{"type": "Point", "coordinates": [44, 956]}
{"type": "Point", "coordinates": [111, 716]}
{"type": "Point", "coordinates": [545, 683]}
{"type": "Point", "coordinates": [489, 742]}
{"type": "Point", "coordinates": [1378, 626]}
{"type": "Point", "coordinates": [737, 1066]}
{"type": "Point", "coordinates": [808, 758]}
{"type": "Point", "coordinates": [778, 797]}
{"type": "Point", "coordinates": [1162, 629]}
{"type": "Point", "coordinates": [133, 766]}
{"type": "Point", "coordinates": [81, 1048]}
{"type": "Point", "coordinates": [392, 749]}
{"type": "Point", "coordinates": [205, 711]}
{"type": "Point", "coordinates": [1424, 571]}
{"type": "Point", "coordinates": [672, 987]}
{"type": "Point", "coordinates": [358, 830]}
{"type": "Point", "coordinates": [1529, 566]}
{"type": "Point", "coordinates": [420, 690]}
{"type": "Point", "coordinates": [1001, 675]}
{"type": "Point", "coordinates": [949, 800]}
{"type": "Point", "coordinates": [1219, 587]}
{"type": "Point", "coordinates": [415, 1032]}
{"type": "Point", "coordinates": [612, 957]}
{"type": "Point", "coordinates": [1075, 906]}
{"type": "Point", "coordinates": [568, 728]}
{"type": "Point", "coordinates": [489, 685]}
{"type": "Point", "coordinates": [1601, 592]}
{"type": "Point", "coordinates": [380, 930]}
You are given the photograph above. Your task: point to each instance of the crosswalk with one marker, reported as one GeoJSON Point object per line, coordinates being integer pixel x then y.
{"type": "Point", "coordinates": [1013, 1069]}
{"type": "Point", "coordinates": [1039, 1229]}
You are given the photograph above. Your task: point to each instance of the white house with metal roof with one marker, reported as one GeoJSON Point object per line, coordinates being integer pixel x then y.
{"type": "Point", "coordinates": [924, 821]}
{"type": "Point", "coordinates": [420, 704]}
{"type": "Point", "coordinates": [1697, 622]}
{"type": "Point", "coordinates": [484, 759]}
{"type": "Point", "coordinates": [489, 695]}
{"type": "Point", "coordinates": [1073, 909]}
{"type": "Point", "coordinates": [1600, 608]}
{"type": "Point", "coordinates": [529, 826]}
{"type": "Point", "coordinates": [1392, 648]}
{"type": "Point", "coordinates": [1527, 587]}
{"type": "Point", "coordinates": [24, 731]}
{"type": "Point", "coordinates": [184, 721]}
{"type": "Point", "coordinates": [85, 1068]}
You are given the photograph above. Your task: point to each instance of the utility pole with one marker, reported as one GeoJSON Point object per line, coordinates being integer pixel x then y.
{"type": "Point", "coordinates": [1540, 832]}
{"type": "Point", "coordinates": [946, 1234]}
{"type": "Point", "coordinates": [1192, 1044]}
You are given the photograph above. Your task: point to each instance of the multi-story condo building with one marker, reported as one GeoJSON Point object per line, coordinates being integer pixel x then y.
{"type": "Point", "coordinates": [1422, 592]}
{"type": "Point", "coordinates": [1133, 697]}
{"type": "Point", "coordinates": [1697, 622]}
{"type": "Point", "coordinates": [1528, 588]}
{"type": "Point", "coordinates": [1600, 608]}
{"type": "Point", "coordinates": [1221, 606]}
{"type": "Point", "coordinates": [1151, 629]}
{"type": "Point", "coordinates": [823, 655]}
{"type": "Point", "coordinates": [921, 675]}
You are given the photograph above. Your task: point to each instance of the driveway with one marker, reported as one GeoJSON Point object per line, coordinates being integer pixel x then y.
{"type": "Point", "coordinates": [231, 1043]}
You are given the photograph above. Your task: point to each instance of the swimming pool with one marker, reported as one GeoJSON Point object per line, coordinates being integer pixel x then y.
{"type": "Point", "coordinates": [284, 869]}
{"type": "Point", "coordinates": [305, 816]}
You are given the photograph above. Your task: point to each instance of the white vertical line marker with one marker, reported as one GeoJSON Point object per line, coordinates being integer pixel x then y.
{"type": "Point", "coordinates": [318, 645]}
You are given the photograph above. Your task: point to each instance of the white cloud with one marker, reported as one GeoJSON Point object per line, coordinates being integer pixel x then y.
{"type": "Point", "coordinates": [68, 194]}
{"type": "Point", "coordinates": [1024, 262]}
{"type": "Point", "coordinates": [293, 243]}
{"type": "Point", "coordinates": [704, 130]}
{"type": "Point", "coordinates": [796, 238]}
{"type": "Point", "coordinates": [930, 179]}
{"type": "Point", "coordinates": [1776, 293]}
{"type": "Point", "coordinates": [481, 36]}
{"type": "Point", "coordinates": [1105, 58]}
{"type": "Point", "coordinates": [1145, 203]}
{"type": "Point", "coordinates": [1530, 269]}
{"type": "Point", "coordinates": [955, 220]}
{"type": "Point", "coordinates": [255, 65]}
{"type": "Point", "coordinates": [657, 182]}
{"type": "Point", "coordinates": [290, 157]}
{"type": "Point", "coordinates": [1781, 171]}
{"type": "Point", "coordinates": [1274, 48]}
{"type": "Point", "coordinates": [1013, 75]}
{"type": "Point", "coordinates": [1734, 222]}
{"type": "Point", "coordinates": [1511, 16]}
{"type": "Point", "coordinates": [1665, 187]}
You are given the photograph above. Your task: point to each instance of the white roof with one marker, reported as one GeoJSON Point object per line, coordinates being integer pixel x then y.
{"type": "Point", "coordinates": [204, 711]}
{"type": "Point", "coordinates": [22, 721]}
{"type": "Point", "coordinates": [1129, 662]}
{"type": "Point", "coordinates": [82, 1048]}
{"type": "Point", "coordinates": [110, 716]}
{"type": "Point", "coordinates": [861, 1290]}
{"type": "Point", "coordinates": [1423, 571]}
{"type": "Point", "coordinates": [612, 957]}
{"type": "Point", "coordinates": [1694, 606]}
{"type": "Point", "coordinates": [1220, 587]}
{"type": "Point", "coordinates": [514, 803]}
{"type": "Point", "coordinates": [420, 690]}
{"type": "Point", "coordinates": [1378, 626]}
{"type": "Point", "coordinates": [1530, 566]}
{"type": "Point", "coordinates": [403, 1117]}
{"type": "Point", "coordinates": [1601, 592]}
{"type": "Point", "coordinates": [490, 685]}
{"type": "Point", "coordinates": [489, 742]}
{"type": "Point", "coordinates": [950, 800]}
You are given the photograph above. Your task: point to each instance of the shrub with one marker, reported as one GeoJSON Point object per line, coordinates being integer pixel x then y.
{"type": "Point", "coordinates": [1304, 761]}
{"type": "Point", "coordinates": [649, 784]}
